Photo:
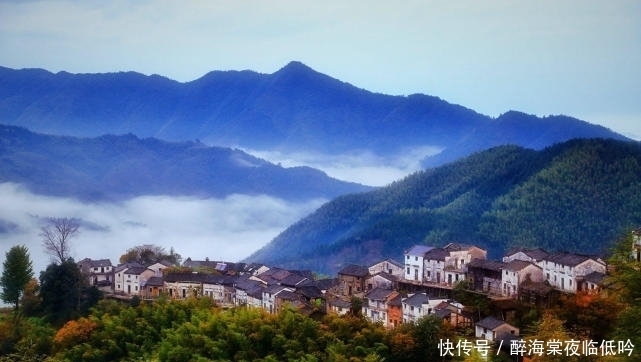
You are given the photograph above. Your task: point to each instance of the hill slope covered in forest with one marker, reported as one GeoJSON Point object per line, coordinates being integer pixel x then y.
{"type": "Point", "coordinates": [577, 196]}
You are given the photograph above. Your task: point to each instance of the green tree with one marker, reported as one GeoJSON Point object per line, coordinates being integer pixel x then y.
{"type": "Point", "coordinates": [148, 254]}
{"type": "Point", "coordinates": [17, 272]}
{"type": "Point", "coordinates": [60, 289]}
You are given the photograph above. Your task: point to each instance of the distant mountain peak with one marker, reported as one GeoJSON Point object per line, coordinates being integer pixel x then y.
{"type": "Point", "coordinates": [296, 65]}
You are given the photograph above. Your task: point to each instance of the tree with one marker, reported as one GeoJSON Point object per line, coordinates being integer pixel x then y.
{"type": "Point", "coordinates": [18, 271]}
{"type": "Point", "coordinates": [56, 237]}
{"type": "Point", "coordinates": [148, 254]}
{"type": "Point", "coordinates": [60, 289]}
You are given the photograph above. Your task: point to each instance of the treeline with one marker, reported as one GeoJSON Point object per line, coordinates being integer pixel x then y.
{"type": "Point", "coordinates": [574, 196]}
{"type": "Point", "coordinates": [197, 330]}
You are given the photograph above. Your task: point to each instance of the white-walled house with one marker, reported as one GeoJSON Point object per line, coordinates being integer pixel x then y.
{"type": "Point", "coordinates": [159, 267]}
{"type": "Point", "coordinates": [338, 306]}
{"type": "Point", "coordinates": [375, 304]}
{"type": "Point", "coordinates": [636, 244]}
{"type": "Point", "coordinates": [448, 265]}
{"type": "Point", "coordinates": [565, 271]}
{"type": "Point", "coordinates": [533, 255]}
{"type": "Point", "coordinates": [414, 263]}
{"type": "Point", "coordinates": [434, 265]}
{"type": "Point", "coordinates": [459, 255]}
{"type": "Point", "coordinates": [381, 280]}
{"type": "Point", "coordinates": [494, 329]}
{"type": "Point", "coordinates": [98, 273]}
{"type": "Point", "coordinates": [134, 279]}
{"type": "Point", "coordinates": [418, 305]}
{"type": "Point", "coordinates": [269, 297]}
{"type": "Point", "coordinates": [388, 266]}
{"type": "Point", "coordinates": [516, 272]}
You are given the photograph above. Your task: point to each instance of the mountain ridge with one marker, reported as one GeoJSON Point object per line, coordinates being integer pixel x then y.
{"type": "Point", "coordinates": [114, 168]}
{"type": "Point", "coordinates": [294, 109]}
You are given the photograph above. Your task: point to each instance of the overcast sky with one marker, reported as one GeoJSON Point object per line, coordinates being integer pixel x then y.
{"type": "Point", "coordinates": [579, 58]}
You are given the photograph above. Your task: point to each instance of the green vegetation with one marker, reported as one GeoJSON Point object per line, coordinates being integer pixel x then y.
{"type": "Point", "coordinates": [576, 196]}
{"type": "Point", "coordinates": [198, 330]}
{"type": "Point", "coordinates": [16, 272]}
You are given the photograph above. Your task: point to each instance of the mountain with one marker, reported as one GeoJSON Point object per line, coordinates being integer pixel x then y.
{"type": "Point", "coordinates": [119, 167]}
{"type": "Point", "coordinates": [577, 196]}
{"type": "Point", "coordinates": [294, 109]}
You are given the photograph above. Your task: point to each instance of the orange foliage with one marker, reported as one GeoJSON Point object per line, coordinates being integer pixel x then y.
{"type": "Point", "coordinates": [584, 300]}
{"type": "Point", "coordinates": [74, 332]}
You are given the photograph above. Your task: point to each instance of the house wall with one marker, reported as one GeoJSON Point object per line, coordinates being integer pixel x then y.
{"type": "Point", "coordinates": [414, 265]}
{"type": "Point", "coordinates": [377, 281]}
{"type": "Point", "coordinates": [183, 289]}
{"type": "Point", "coordinates": [394, 316]}
{"type": "Point", "coordinates": [435, 271]}
{"type": "Point", "coordinates": [386, 267]}
{"type": "Point", "coordinates": [376, 311]}
{"type": "Point", "coordinates": [350, 284]}
{"type": "Point", "coordinates": [496, 333]}
{"type": "Point", "coordinates": [564, 277]}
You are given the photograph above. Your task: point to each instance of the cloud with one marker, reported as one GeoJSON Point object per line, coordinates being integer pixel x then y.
{"type": "Point", "coordinates": [221, 229]}
{"type": "Point", "coordinates": [364, 167]}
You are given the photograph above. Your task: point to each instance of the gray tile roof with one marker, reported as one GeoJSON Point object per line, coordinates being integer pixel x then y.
{"type": "Point", "coordinates": [417, 299]}
{"type": "Point", "coordinates": [379, 294]}
{"type": "Point", "coordinates": [154, 281]}
{"type": "Point", "coordinates": [419, 250]}
{"type": "Point", "coordinates": [534, 253]}
{"type": "Point", "coordinates": [569, 259]}
{"type": "Point", "coordinates": [354, 270]}
{"type": "Point", "coordinates": [437, 254]}
{"type": "Point", "coordinates": [516, 265]}
{"type": "Point", "coordinates": [490, 323]}
{"type": "Point", "coordinates": [594, 277]}
{"type": "Point", "coordinates": [136, 270]}
{"type": "Point", "coordinates": [486, 264]}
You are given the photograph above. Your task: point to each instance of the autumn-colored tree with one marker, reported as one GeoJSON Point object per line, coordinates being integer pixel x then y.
{"type": "Point", "coordinates": [550, 330]}
{"type": "Point", "coordinates": [74, 332]}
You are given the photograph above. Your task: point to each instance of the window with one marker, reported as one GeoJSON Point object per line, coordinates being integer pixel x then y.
{"type": "Point", "coordinates": [416, 258]}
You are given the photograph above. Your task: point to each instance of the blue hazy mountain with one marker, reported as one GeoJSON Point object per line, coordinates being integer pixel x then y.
{"type": "Point", "coordinates": [292, 109]}
{"type": "Point", "coordinates": [120, 167]}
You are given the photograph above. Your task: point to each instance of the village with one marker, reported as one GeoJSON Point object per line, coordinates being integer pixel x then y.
{"type": "Point", "coordinates": [388, 292]}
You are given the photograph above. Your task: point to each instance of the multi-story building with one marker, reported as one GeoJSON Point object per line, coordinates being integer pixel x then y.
{"type": "Point", "coordinates": [516, 272]}
{"type": "Point", "coordinates": [415, 263]}
{"type": "Point", "coordinates": [351, 280]}
{"type": "Point", "coordinates": [375, 305]}
{"type": "Point", "coordinates": [565, 271]}
{"type": "Point", "coordinates": [418, 305]}
{"type": "Point", "coordinates": [99, 273]}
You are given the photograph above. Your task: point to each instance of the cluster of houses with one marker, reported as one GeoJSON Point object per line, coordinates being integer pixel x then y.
{"type": "Point", "coordinates": [391, 292]}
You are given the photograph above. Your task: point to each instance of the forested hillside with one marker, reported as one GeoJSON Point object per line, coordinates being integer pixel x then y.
{"type": "Point", "coordinates": [576, 196]}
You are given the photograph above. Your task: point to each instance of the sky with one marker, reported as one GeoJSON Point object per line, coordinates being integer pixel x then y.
{"type": "Point", "coordinates": [545, 57]}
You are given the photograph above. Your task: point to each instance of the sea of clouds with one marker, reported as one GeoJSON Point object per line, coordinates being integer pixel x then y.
{"type": "Point", "coordinates": [227, 229]}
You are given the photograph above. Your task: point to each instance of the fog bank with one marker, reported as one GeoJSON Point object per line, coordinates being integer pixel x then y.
{"type": "Point", "coordinates": [227, 229]}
